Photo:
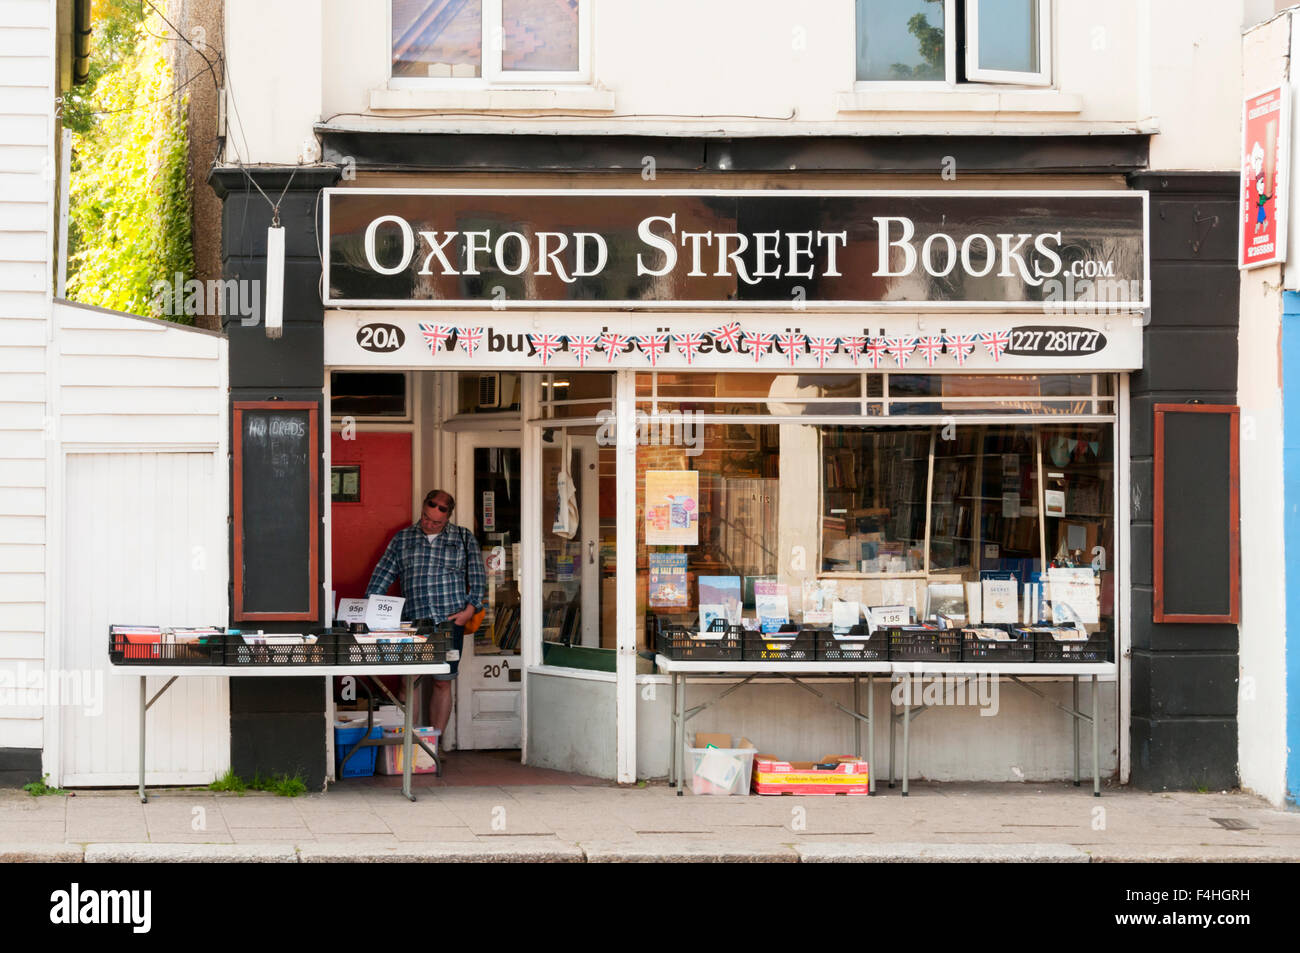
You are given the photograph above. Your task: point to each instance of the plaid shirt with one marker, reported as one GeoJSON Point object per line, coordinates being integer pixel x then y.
{"type": "Point", "coordinates": [438, 579]}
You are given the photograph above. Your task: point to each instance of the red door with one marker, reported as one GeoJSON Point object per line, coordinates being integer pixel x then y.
{"type": "Point", "coordinates": [361, 530]}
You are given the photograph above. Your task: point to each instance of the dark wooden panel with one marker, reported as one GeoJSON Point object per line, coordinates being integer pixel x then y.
{"type": "Point", "coordinates": [1197, 527]}
{"type": "Point", "coordinates": [276, 460]}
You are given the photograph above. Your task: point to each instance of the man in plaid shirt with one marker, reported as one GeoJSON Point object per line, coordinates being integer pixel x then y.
{"type": "Point", "coordinates": [443, 579]}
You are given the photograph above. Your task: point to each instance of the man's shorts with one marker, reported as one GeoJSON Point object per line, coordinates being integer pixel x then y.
{"type": "Point", "coordinates": [453, 655]}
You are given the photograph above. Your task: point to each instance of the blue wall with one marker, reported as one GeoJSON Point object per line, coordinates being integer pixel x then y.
{"type": "Point", "coordinates": [1291, 478]}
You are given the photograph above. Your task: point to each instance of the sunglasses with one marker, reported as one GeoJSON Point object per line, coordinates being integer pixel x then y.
{"type": "Point", "coordinates": [440, 507]}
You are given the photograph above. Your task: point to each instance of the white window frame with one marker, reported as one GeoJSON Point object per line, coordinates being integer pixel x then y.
{"type": "Point", "coordinates": [492, 75]}
{"type": "Point", "coordinates": [1041, 77]}
{"type": "Point", "coordinates": [974, 77]}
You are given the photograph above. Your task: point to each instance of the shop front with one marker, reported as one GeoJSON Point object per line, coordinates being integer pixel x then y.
{"type": "Point", "coordinates": [828, 410]}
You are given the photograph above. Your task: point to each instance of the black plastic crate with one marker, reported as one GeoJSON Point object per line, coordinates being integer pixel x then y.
{"type": "Point", "coordinates": [780, 647]}
{"type": "Point", "coordinates": [975, 649]}
{"type": "Point", "coordinates": [249, 649]}
{"type": "Point", "coordinates": [154, 645]}
{"type": "Point", "coordinates": [1098, 647]}
{"type": "Point", "coordinates": [360, 650]}
{"type": "Point", "coordinates": [914, 643]}
{"type": "Point", "coordinates": [685, 644]}
{"type": "Point", "coordinates": [858, 646]}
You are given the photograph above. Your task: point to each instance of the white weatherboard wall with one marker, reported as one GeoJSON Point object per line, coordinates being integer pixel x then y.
{"type": "Point", "coordinates": [1261, 699]}
{"type": "Point", "coordinates": [142, 438]}
{"type": "Point", "coordinates": [26, 228]}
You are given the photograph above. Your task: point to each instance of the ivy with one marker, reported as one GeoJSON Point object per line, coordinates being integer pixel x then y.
{"type": "Point", "coordinates": [130, 223]}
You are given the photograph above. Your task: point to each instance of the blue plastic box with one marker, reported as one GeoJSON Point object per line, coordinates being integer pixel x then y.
{"type": "Point", "coordinates": [361, 764]}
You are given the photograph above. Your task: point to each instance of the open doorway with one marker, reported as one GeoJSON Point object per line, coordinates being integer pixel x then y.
{"type": "Point", "coordinates": [397, 434]}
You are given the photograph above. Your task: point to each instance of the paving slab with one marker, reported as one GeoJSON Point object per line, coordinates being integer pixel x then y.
{"type": "Point", "coordinates": [191, 853]}
{"type": "Point", "coordinates": [496, 851]}
{"type": "Point", "coordinates": [1203, 854]}
{"type": "Point", "coordinates": [939, 853]}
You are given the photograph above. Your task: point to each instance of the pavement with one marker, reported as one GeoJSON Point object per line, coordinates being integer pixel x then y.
{"type": "Point", "coordinates": [596, 822]}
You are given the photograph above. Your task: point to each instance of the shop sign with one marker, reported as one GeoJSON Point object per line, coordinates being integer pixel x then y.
{"type": "Point", "coordinates": [775, 249]}
{"type": "Point", "coordinates": [1265, 123]}
{"type": "Point", "coordinates": [569, 340]}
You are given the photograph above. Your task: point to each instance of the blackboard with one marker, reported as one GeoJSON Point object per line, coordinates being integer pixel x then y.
{"type": "Point", "coordinates": [276, 459]}
{"type": "Point", "coordinates": [1197, 513]}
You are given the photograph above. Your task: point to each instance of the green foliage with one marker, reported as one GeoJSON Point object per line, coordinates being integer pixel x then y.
{"type": "Point", "coordinates": [929, 43]}
{"type": "Point", "coordinates": [229, 782]}
{"type": "Point", "coordinates": [130, 221]}
{"type": "Point", "coordinates": [41, 788]}
{"type": "Point", "coordinates": [280, 784]}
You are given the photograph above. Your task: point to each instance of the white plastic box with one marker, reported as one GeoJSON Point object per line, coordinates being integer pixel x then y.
{"type": "Point", "coordinates": [719, 771]}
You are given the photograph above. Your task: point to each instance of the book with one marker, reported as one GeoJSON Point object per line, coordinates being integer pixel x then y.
{"type": "Point", "coordinates": [772, 603]}
{"type": "Point", "coordinates": [721, 591]}
{"type": "Point", "coordinates": [819, 597]}
{"type": "Point", "coordinates": [668, 580]}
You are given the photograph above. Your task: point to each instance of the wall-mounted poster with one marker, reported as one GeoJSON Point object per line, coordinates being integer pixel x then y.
{"type": "Point", "coordinates": [668, 580]}
{"type": "Point", "coordinates": [672, 508]}
{"type": "Point", "coordinates": [1265, 118]}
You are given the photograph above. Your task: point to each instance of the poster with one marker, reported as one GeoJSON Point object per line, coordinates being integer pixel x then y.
{"type": "Point", "coordinates": [1076, 588]}
{"type": "Point", "coordinates": [489, 511]}
{"type": "Point", "coordinates": [668, 580]}
{"type": "Point", "coordinates": [1261, 219]}
{"type": "Point", "coordinates": [672, 508]}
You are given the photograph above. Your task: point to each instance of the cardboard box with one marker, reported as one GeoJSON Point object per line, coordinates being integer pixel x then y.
{"type": "Point", "coordinates": [703, 739]}
{"type": "Point", "coordinates": [774, 776]}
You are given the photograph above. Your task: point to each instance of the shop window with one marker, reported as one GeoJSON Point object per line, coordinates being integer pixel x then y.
{"type": "Point", "coordinates": [954, 41]}
{"type": "Point", "coordinates": [578, 395]}
{"type": "Point", "coordinates": [934, 516]}
{"type": "Point", "coordinates": [363, 394]}
{"type": "Point", "coordinates": [490, 41]}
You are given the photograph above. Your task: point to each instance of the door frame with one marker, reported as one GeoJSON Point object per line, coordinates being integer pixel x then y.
{"type": "Point", "coordinates": [467, 441]}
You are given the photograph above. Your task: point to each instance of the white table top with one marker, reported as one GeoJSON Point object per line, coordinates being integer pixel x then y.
{"type": "Point", "coordinates": [412, 668]}
{"type": "Point", "coordinates": [727, 667]}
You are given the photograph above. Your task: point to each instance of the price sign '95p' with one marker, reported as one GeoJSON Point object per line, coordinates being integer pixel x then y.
{"type": "Point", "coordinates": [384, 612]}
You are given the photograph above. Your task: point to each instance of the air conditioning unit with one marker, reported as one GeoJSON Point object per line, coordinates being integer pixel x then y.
{"type": "Point", "coordinates": [489, 391]}
{"type": "Point", "coordinates": [497, 391]}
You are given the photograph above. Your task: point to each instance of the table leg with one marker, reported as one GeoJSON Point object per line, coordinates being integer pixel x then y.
{"type": "Point", "coordinates": [143, 709]}
{"type": "Point", "coordinates": [672, 734]}
{"type": "Point", "coordinates": [857, 722]}
{"type": "Point", "coordinates": [907, 739]}
{"type": "Point", "coordinates": [1075, 718]}
{"type": "Point", "coordinates": [891, 739]}
{"type": "Point", "coordinates": [1096, 765]}
{"type": "Point", "coordinates": [681, 736]}
{"type": "Point", "coordinates": [406, 737]}
{"type": "Point", "coordinates": [871, 734]}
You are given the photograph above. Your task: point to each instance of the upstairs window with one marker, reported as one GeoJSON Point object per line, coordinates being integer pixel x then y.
{"type": "Point", "coordinates": [490, 41]}
{"type": "Point", "coordinates": [954, 41]}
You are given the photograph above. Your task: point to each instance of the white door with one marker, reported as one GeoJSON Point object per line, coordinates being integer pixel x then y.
{"type": "Point", "coordinates": [489, 697]}
{"type": "Point", "coordinates": [145, 543]}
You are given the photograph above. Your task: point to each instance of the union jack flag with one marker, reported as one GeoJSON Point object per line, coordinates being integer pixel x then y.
{"type": "Point", "coordinates": [728, 334]}
{"type": "Point", "coordinates": [435, 335]}
{"type": "Point", "coordinates": [823, 348]}
{"type": "Point", "coordinates": [901, 349]}
{"type": "Point", "coordinates": [854, 347]}
{"type": "Point", "coordinates": [960, 346]}
{"type": "Point", "coordinates": [546, 345]}
{"type": "Point", "coordinates": [792, 343]}
{"type": "Point", "coordinates": [758, 343]}
{"type": "Point", "coordinates": [469, 339]}
{"type": "Point", "coordinates": [653, 345]}
{"type": "Point", "coordinates": [876, 351]}
{"type": "Point", "coordinates": [582, 345]}
{"type": "Point", "coordinates": [997, 342]}
{"type": "Point", "coordinates": [930, 346]}
{"type": "Point", "coordinates": [688, 344]}
{"type": "Point", "coordinates": [613, 345]}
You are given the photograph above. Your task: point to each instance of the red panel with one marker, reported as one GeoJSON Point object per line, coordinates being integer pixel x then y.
{"type": "Point", "coordinates": [360, 531]}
